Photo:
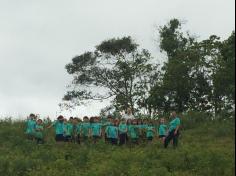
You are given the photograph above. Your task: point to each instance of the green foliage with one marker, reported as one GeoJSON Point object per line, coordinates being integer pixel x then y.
{"type": "Point", "coordinates": [206, 148]}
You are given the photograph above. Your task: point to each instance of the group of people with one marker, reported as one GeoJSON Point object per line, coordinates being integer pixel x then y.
{"type": "Point", "coordinates": [126, 130]}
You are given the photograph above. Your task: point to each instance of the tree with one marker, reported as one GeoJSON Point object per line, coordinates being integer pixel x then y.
{"type": "Point", "coordinates": [116, 70]}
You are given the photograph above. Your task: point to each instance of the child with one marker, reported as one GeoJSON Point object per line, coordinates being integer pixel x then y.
{"type": "Point", "coordinates": [133, 132]}
{"type": "Point", "coordinates": [78, 129]}
{"type": "Point", "coordinates": [162, 130]}
{"type": "Point", "coordinates": [150, 131]}
{"type": "Point", "coordinates": [59, 128]}
{"type": "Point", "coordinates": [68, 130]}
{"type": "Point", "coordinates": [96, 129]}
{"type": "Point", "coordinates": [112, 133]}
{"type": "Point", "coordinates": [85, 128]}
{"type": "Point", "coordinates": [39, 132]}
{"type": "Point", "coordinates": [30, 126]}
{"type": "Point", "coordinates": [122, 132]}
{"type": "Point", "coordinates": [106, 125]}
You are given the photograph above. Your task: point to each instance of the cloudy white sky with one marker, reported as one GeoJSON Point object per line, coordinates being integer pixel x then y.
{"type": "Point", "coordinates": [38, 38]}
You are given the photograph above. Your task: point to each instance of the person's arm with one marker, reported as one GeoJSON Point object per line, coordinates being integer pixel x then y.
{"type": "Point", "coordinates": [176, 130]}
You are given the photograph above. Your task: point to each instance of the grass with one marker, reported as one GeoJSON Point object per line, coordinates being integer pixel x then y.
{"type": "Point", "coordinates": [205, 149]}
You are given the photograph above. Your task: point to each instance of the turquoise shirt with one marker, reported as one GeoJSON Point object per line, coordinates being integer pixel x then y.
{"type": "Point", "coordinates": [59, 127]}
{"type": "Point", "coordinates": [85, 127]}
{"type": "Point", "coordinates": [162, 129]}
{"type": "Point", "coordinates": [123, 128]}
{"type": "Point", "coordinates": [174, 123]}
{"type": "Point", "coordinates": [78, 129]}
{"type": "Point", "coordinates": [68, 129]}
{"type": "Point", "coordinates": [133, 131]}
{"type": "Point", "coordinates": [96, 129]}
{"type": "Point", "coordinates": [30, 126]}
{"type": "Point", "coordinates": [112, 132]}
{"type": "Point", "coordinates": [39, 131]}
{"type": "Point", "coordinates": [150, 131]}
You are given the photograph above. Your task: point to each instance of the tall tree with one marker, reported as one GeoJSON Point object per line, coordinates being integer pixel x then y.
{"type": "Point", "coordinates": [117, 69]}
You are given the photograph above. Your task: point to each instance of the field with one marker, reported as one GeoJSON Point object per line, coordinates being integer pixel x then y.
{"type": "Point", "coordinates": [206, 148]}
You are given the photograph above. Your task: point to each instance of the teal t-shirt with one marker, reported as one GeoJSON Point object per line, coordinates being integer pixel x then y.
{"type": "Point", "coordinates": [162, 129]}
{"type": "Point", "coordinates": [150, 131]}
{"type": "Point", "coordinates": [96, 129]}
{"type": "Point", "coordinates": [174, 123]}
{"type": "Point", "coordinates": [112, 132]}
{"type": "Point", "coordinates": [39, 131]}
{"type": "Point", "coordinates": [68, 129]}
{"type": "Point", "coordinates": [133, 131]}
{"type": "Point", "coordinates": [85, 128]}
{"type": "Point", "coordinates": [59, 127]}
{"type": "Point", "coordinates": [78, 129]}
{"type": "Point", "coordinates": [30, 126]}
{"type": "Point", "coordinates": [123, 128]}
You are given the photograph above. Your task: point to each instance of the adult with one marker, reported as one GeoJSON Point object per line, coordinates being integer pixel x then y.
{"type": "Point", "coordinates": [128, 115]}
{"type": "Point", "coordinates": [173, 134]}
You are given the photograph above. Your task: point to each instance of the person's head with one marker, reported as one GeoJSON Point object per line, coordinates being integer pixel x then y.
{"type": "Point", "coordinates": [150, 123]}
{"type": "Point", "coordinates": [86, 119]}
{"type": "Point", "coordinates": [140, 121]}
{"type": "Point", "coordinates": [129, 111]}
{"type": "Point", "coordinates": [60, 118]}
{"type": "Point", "coordinates": [173, 114]}
{"type": "Point", "coordinates": [129, 122]}
{"type": "Point", "coordinates": [134, 122]}
{"type": "Point", "coordinates": [32, 116]}
{"type": "Point", "coordinates": [123, 121]}
{"type": "Point", "coordinates": [162, 121]}
{"type": "Point", "coordinates": [71, 119]}
{"type": "Point", "coordinates": [145, 121]}
{"type": "Point", "coordinates": [39, 121]}
{"type": "Point", "coordinates": [109, 118]}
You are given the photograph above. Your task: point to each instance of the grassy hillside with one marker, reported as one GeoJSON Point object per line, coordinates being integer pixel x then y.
{"type": "Point", "coordinates": [206, 148]}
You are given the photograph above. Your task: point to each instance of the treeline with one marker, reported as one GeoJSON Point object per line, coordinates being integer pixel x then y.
{"type": "Point", "coordinates": [195, 76]}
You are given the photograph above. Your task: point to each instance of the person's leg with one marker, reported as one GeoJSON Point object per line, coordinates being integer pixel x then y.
{"type": "Point", "coordinates": [78, 139]}
{"type": "Point", "coordinates": [122, 138]}
{"type": "Point", "coordinates": [175, 140]}
{"type": "Point", "coordinates": [168, 139]}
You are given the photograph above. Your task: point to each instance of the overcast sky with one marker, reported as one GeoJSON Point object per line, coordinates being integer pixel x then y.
{"type": "Point", "coordinates": [39, 37]}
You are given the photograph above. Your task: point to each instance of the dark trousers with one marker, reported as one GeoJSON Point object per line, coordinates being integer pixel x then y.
{"type": "Point", "coordinates": [113, 141]}
{"type": "Point", "coordinates": [39, 140]}
{"type": "Point", "coordinates": [78, 139]}
{"type": "Point", "coordinates": [122, 138]}
{"type": "Point", "coordinates": [172, 136]}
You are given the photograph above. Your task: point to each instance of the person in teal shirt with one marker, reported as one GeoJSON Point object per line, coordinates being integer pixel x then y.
{"type": "Point", "coordinates": [123, 129]}
{"type": "Point", "coordinates": [134, 132]}
{"type": "Point", "coordinates": [78, 129]}
{"type": "Point", "coordinates": [85, 128]}
{"type": "Point", "coordinates": [106, 126]}
{"type": "Point", "coordinates": [59, 128]}
{"type": "Point", "coordinates": [68, 130]}
{"type": "Point", "coordinates": [96, 130]}
{"type": "Point", "coordinates": [112, 134]}
{"type": "Point", "coordinates": [38, 134]}
{"type": "Point", "coordinates": [150, 132]}
{"type": "Point", "coordinates": [162, 130]}
{"type": "Point", "coordinates": [30, 126]}
{"type": "Point", "coordinates": [173, 133]}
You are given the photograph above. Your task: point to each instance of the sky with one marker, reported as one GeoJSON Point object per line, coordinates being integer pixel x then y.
{"type": "Point", "coordinates": [38, 38]}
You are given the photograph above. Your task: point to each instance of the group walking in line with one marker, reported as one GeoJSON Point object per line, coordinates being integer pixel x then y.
{"type": "Point", "coordinates": [127, 130]}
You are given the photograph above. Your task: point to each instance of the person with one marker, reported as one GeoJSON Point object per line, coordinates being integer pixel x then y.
{"type": "Point", "coordinates": [150, 131]}
{"type": "Point", "coordinates": [133, 132]}
{"type": "Point", "coordinates": [173, 133]}
{"type": "Point", "coordinates": [38, 134]}
{"type": "Point", "coordinates": [85, 129]}
{"type": "Point", "coordinates": [30, 126]}
{"type": "Point", "coordinates": [68, 130]}
{"type": "Point", "coordinates": [96, 129]}
{"type": "Point", "coordinates": [78, 130]}
{"type": "Point", "coordinates": [128, 115]}
{"type": "Point", "coordinates": [162, 130]}
{"type": "Point", "coordinates": [106, 126]}
{"type": "Point", "coordinates": [59, 129]}
{"type": "Point", "coordinates": [112, 133]}
{"type": "Point", "coordinates": [122, 132]}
